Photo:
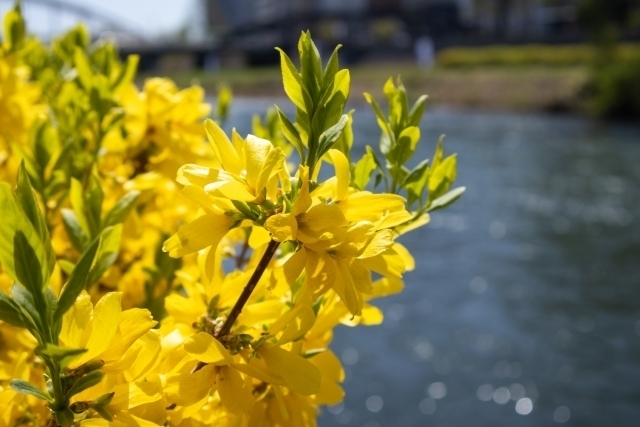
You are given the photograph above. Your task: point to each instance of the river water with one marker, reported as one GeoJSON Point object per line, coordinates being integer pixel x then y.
{"type": "Point", "coordinates": [524, 307]}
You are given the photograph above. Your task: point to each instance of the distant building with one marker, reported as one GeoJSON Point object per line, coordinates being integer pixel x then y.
{"type": "Point", "coordinates": [389, 26]}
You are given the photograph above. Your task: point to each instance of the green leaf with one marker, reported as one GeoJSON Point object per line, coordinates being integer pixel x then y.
{"type": "Point", "coordinates": [290, 132]}
{"type": "Point", "coordinates": [310, 67]}
{"type": "Point", "coordinates": [127, 73]}
{"type": "Point", "coordinates": [416, 182]}
{"type": "Point", "coordinates": [93, 204]}
{"type": "Point", "coordinates": [76, 196]}
{"type": "Point", "coordinates": [107, 253]}
{"type": "Point", "coordinates": [15, 220]}
{"type": "Point", "coordinates": [74, 230]}
{"type": "Point", "coordinates": [442, 177]}
{"type": "Point", "coordinates": [446, 199]}
{"type": "Point", "coordinates": [415, 115]}
{"type": "Point", "coordinates": [363, 169]}
{"type": "Point", "coordinates": [121, 209]}
{"type": "Point", "coordinates": [9, 311]}
{"type": "Point", "coordinates": [14, 28]}
{"type": "Point", "coordinates": [30, 315]}
{"type": "Point", "coordinates": [100, 406]}
{"type": "Point", "coordinates": [64, 417]}
{"type": "Point", "coordinates": [291, 81]}
{"type": "Point", "coordinates": [330, 136]}
{"type": "Point", "coordinates": [27, 265]}
{"type": "Point", "coordinates": [27, 200]}
{"type": "Point", "coordinates": [332, 68]}
{"type": "Point", "coordinates": [405, 146]}
{"type": "Point", "coordinates": [345, 142]}
{"type": "Point", "coordinates": [78, 280]}
{"type": "Point", "coordinates": [85, 382]}
{"type": "Point", "coordinates": [25, 387]}
{"type": "Point", "coordinates": [83, 68]}
{"type": "Point", "coordinates": [66, 266]}
{"type": "Point", "coordinates": [103, 412]}
{"type": "Point", "coordinates": [380, 118]}
{"type": "Point", "coordinates": [61, 356]}
{"type": "Point", "coordinates": [223, 103]}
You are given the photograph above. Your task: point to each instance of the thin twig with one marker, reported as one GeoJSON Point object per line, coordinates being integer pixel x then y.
{"type": "Point", "coordinates": [244, 296]}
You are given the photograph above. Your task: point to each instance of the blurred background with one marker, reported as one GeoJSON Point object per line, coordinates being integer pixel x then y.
{"type": "Point", "coordinates": [524, 307]}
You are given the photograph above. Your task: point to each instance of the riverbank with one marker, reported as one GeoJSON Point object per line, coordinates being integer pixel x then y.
{"type": "Point", "coordinates": [536, 88]}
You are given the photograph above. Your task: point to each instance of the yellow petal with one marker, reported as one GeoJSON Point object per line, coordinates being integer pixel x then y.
{"type": "Point", "coordinates": [406, 256]}
{"type": "Point", "coordinates": [330, 392]}
{"type": "Point", "coordinates": [130, 395]}
{"type": "Point", "coordinates": [282, 227]}
{"type": "Point", "coordinates": [388, 263]}
{"type": "Point", "coordinates": [345, 287]}
{"type": "Point", "coordinates": [303, 200]}
{"type": "Point", "coordinates": [182, 309]}
{"type": "Point", "coordinates": [382, 240]}
{"type": "Point", "coordinates": [232, 189]}
{"type": "Point", "coordinates": [148, 356]}
{"type": "Point", "coordinates": [129, 420]}
{"type": "Point", "coordinates": [361, 276]}
{"type": "Point", "coordinates": [263, 312]}
{"type": "Point", "coordinates": [186, 389]}
{"type": "Point", "coordinates": [134, 323]}
{"type": "Point", "coordinates": [424, 219]}
{"type": "Point", "coordinates": [257, 370]}
{"type": "Point", "coordinates": [205, 348]}
{"type": "Point", "coordinates": [357, 239]}
{"type": "Point", "coordinates": [204, 231]}
{"type": "Point", "coordinates": [365, 206]}
{"type": "Point", "coordinates": [106, 317]}
{"type": "Point", "coordinates": [299, 374]}
{"type": "Point", "coordinates": [321, 272]}
{"type": "Point", "coordinates": [259, 237]}
{"type": "Point", "coordinates": [76, 321]}
{"type": "Point", "coordinates": [286, 275]}
{"type": "Point", "coordinates": [387, 286]}
{"type": "Point", "coordinates": [296, 322]}
{"type": "Point", "coordinates": [341, 165]}
{"type": "Point", "coordinates": [234, 393]}
{"type": "Point", "coordinates": [196, 175]}
{"type": "Point", "coordinates": [222, 148]}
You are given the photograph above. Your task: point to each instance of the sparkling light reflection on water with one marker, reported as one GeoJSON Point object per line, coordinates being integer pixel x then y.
{"type": "Point", "coordinates": [524, 305]}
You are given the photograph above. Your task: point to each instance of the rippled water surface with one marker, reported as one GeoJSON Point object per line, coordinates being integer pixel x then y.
{"type": "Point", "coordinates": [524, 307]}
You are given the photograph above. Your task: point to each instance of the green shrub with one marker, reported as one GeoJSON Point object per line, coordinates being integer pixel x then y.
{"type": "Point", "coordinates": [527, 55]}
{"type": "Point", "coordinates": [615, 89]}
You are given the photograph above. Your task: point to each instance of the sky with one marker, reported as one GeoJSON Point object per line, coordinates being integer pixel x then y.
{"type": "Point", "coordinates": [150, 18]}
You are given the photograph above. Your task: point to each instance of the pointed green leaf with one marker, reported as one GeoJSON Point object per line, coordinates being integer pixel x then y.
{"type": "Point", "coordinates": [74, 230]}
{"type": "Point", "coordinates": [61, 356]}
{"type": "Point", "coordinates": [25, 387]}
{"type": "Point", "coordinates": [363, 170]}
{"type": "Point", "coordinates": [85, 382]}
{"type": "Point", "coordinates": [83, 68]}
{"type": "Point", "coordinates": [78, 280]}
{"type": "Point", "coordinates": [121, 209]}
{"type": "Point", "coordinates": [10, 312]}
{"type": "Point", "coordinates": [27, 201]}
{"type": "Point", "coordinates": [290, 132]}
{"type": "Point", "coordinates": [15, 220]}
{"type": "Point", "coordinates": [415, 115]}
{"type": "Point", "coordinates": [291, 81]}
{"type": "Point", "coordinates": [107, 253]}
{"type": "Point", "coordinates": [127, 73]}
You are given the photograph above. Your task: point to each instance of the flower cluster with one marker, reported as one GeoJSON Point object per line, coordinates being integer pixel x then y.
{"type": "Point", "coordinates": [148, 278]}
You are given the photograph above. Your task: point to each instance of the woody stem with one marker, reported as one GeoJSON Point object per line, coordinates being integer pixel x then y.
{"type": "Point", "coordinates": [244, 296]}
{"type": "Point", "coordinates": [248, 289]}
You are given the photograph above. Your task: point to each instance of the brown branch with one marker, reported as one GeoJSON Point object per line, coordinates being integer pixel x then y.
{"type": "Point", "coordinates": [244, 296]}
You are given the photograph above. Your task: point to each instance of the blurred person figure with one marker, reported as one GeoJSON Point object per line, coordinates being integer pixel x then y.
{"type": "Point", "coordinates": [424, 51]}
